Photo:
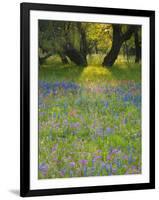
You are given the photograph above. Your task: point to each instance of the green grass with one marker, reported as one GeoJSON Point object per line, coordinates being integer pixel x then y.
{"type": "Point", "coordinates": [53, 69]}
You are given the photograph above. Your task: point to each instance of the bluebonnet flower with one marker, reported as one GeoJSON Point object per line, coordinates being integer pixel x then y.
{"type": "Point", "coordinates": [115, 151]}
{"type": "Point", "coordinates": [62, 172]}
{"type": "Point", "coordinates": [114, 170]}
{"type": "Point", "coordinates": [85, 170]}
{"type": "Point", "coordinates": [109, 130]}
{"type": "Point", "coordinates": [133, 167]}
{"type": "Point", "coordinates": [54, 148]}
{"type": "Point", "coordinates": [106, 104]}
{"type": "Point", "coordinates": [43, 167]}
{"type": "Point", "coordinates": [130, 159]}
{"type": "Point", "coordinates": [125, 157]}
{"type": "Point", "coordinates": [72, 164]}
{"type": "Point", "coordinates": [75, 125]}
{"type": "Point", "coordinates": [53, 87]}
{"type": "Point", "coordinates": [71, 173]}
{"type": "Point", "coordinates": [118, 163]}
{"type": "Point", "coordinates": [108, 168]}
{"type": "Point", "coordinates": [92, 170]}
{"type": "Point", "coordinates": [96, 158]}
{"type": "Point", "coordinates": [109, 156]}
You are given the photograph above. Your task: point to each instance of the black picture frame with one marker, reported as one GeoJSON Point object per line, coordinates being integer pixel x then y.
{"type": "Point", "coordinates": [25, 9]}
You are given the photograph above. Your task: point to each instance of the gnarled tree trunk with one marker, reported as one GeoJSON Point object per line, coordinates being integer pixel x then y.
{"type": "Point", "coordinates": [74, 55]}
{"type": "Point", "coordinates": [43, 58]}
{"type": "Point", "coordinates": [118, 39]}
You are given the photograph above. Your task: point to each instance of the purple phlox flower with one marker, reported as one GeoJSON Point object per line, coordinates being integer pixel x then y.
{"type": "Point", "coordinates": [62, 172]}
{"type": "Point", "coordinates": [43, 167]}
{"type": "Point", "coordinates": [103, 165]}
{"type": "Point", "coordinates": [54, 148]}
{"type": "Point", "coordinates": [75, 125]}
{"type": "Point", "coordinates": [96, 158]}
{"type": "Point", "coordinates": [109, 156]}
{"type": "Point", "coordinates": [83, 162]}
{"type": "Point", "coordinates": [72, 164]}
{"type": "Point", "coordinates": [125, 157]}
{"type": "Point", "coordinates": [115, 151]}
{"type": "Point", "coordinates": [55, 159]}
{"type": "Point", "coordinates": [114, 170]}
{"type": "Point", "coordinates": [133, 167]}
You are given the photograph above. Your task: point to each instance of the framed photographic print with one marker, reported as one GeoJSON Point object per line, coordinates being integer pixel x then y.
{"type": "Point", "coordinates": [87, 99]}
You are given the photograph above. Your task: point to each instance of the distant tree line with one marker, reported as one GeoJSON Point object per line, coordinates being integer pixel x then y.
{"type": "Point", "coordinates": [75, 40]}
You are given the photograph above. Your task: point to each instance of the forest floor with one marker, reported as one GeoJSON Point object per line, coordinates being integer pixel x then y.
{"type": "Point", "coordinates": [89, 119]}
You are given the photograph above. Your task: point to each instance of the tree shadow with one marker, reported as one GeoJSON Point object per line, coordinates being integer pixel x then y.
{"type": "Point", "coordinates": [56, 71]}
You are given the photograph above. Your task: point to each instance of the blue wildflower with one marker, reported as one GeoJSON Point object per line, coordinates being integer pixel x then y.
{"type": "Point", "coordinates": [72, 164]}
{"type": "Point", "coordinates": [43, 167]}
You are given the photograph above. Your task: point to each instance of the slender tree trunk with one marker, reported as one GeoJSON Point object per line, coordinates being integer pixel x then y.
{"type": "Point", "coordinates": [96, 48]}
{"type": "Point", "coordinates": [118, 39]}
{"type": "Point", "coordinates": [126, 49]}
{"type": "Point", "coordinates": [137, 47]}
{"type": "Point", "coordinates": [78, 57]}
{"type": "Point", "coordinates": [83, 41]}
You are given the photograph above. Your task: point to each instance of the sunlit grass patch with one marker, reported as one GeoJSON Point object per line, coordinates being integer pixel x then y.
{"type": "Point", "coordinates": [95, 73]}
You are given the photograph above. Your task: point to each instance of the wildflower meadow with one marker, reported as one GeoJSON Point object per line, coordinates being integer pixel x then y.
{"type": "Point", "coordinates": [89, 116]}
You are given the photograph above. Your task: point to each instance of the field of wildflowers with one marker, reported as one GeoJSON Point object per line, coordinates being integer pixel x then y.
{"type": "Point", "coordinates": [89, 120]}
